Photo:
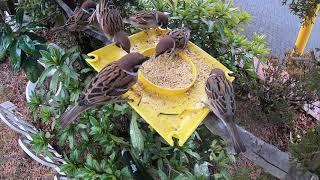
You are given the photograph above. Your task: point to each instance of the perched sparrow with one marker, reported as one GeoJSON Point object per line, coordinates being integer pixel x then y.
{"type": "Point", "coordinates": [152, 19]}
{"type": "Point", "coordinates": [81, 18]}
{"type": "Point", "coordinates": [175, 40]}
{"type": "Point", "coordinates": [110, 22]}
{"type": "Point", "coordinates": [107, 86]}
{"type": "Point", "coordinates": [222, 103]}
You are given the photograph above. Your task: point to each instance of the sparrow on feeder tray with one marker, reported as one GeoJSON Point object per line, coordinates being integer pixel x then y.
{"type": "Point", "coordinates": [173, 42]}
{"type": "Point", "coordinates": [151, 19]}
{"type": "Point", "coordinates": [110, 22]}
{"type": "Point", "coordinates": [107, 86]}
{"type": "Point", "coordinates": [221, 102]}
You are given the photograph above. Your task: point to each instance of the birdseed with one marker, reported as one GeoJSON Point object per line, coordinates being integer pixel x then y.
{"type": "Point", "coordinates": [168, 72]}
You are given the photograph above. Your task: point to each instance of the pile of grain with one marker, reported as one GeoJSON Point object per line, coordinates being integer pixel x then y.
{"type": "Point", "coordinates": [168, 72]}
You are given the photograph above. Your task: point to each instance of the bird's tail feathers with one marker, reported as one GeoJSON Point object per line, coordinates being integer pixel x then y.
{"type": "Point", "coordinates": [70, 115]}
{"type": "Point", "coordinates": [236, 139]}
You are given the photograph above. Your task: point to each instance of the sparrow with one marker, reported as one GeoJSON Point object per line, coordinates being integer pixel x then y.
{"type": "Point", "coordinates": [221, 102]}
{"type": "Point", "coordinates": [107, 86]}
{"type": "Point", "coordinates": [81, 17]}
{"type": "Point", "coordinates": [173, 41]}
{"type": "Point", "coordinates": [110, 23]}
{"type": "Point", "coordinates": [151, 19]}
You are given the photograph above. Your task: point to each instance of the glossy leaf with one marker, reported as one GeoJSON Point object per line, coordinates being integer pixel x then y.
{"type": "Point", "coordinates": [44, 74]}
{"type": "Point", "coordinates": [32, 69]}
{"type": "Point", "coordinates": [35, 37]}
{"type": "Point", "coordinates": [27, 45]}
{"type": "Point", "coordinates": [19, 17]}
{"type": "Point", "coordinates": [202, 170]}
{"type": "Point", "coordinates": [5, 41]}
{"type": "Point", "coordinates": [15, 55]}
{"type": "Point", "coordinates": [54, 82]}
{"type": "Point", "coordinates": [137, 139]}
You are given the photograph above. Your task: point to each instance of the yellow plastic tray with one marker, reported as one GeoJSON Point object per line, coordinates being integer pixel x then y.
{"type": "Point", "coordinates": [171, 115]}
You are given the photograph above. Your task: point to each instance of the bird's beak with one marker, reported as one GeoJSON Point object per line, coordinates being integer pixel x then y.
{"type": "Point", "coordinates": [146, 58]}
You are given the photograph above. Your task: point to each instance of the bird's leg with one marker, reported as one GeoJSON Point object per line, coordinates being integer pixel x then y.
{"type": "Point", "coordinates": [205, 103]}
{"type": "Point", "coordinates": [127, 99]}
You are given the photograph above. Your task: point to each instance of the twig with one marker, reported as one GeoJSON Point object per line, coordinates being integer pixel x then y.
{"type": "Point", "coordinates": [65, 7]}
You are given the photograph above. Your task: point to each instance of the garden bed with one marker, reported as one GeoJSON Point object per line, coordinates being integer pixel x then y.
{"type": "Point", "coordinates": [101, 143]}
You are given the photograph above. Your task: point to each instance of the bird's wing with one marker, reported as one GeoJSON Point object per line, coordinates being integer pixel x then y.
{"type": "Point", "coordinates": [108, 85]}
{"type": "Point", "coordinates": [221, 97]}
{"type": "Point", "coordinates": [109, 17]}
{"type": "Point", "coordinates": [144, 18]}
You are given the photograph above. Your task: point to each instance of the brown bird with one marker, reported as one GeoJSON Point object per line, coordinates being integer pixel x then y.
{"type": "Point", "coordinates": [222, 103]}
{"type": "Point", "coordinates": [107, 86]}
{"type": "Point", "coordinates": [152, 19]}
{"type": "Point", "coordinates": [110, 22]}
{"type": "Point", "coordinates": [81, 18]}
{"type": "Point", "coordinates": [175, 40]}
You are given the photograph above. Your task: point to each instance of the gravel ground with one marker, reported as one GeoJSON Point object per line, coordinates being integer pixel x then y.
{"type": "Point", "coordinates": [14, 164]}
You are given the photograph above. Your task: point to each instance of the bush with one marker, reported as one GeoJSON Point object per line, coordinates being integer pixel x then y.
{"type": "Point", "coordinates": [306, 153]}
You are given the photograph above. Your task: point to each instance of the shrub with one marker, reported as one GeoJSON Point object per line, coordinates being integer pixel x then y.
{"type": "Point", "coordinates": [306, 153]}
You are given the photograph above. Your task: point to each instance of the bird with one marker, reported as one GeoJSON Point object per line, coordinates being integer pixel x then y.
{"type": "Point", "coordinates": [173, 41]}
{"type": "Point", "coordinates": [80, 20]}
{"type": "Point", "coordinates": [110, 22]}
{"type": "Point", "coordinates": [221, 102]}
{"type": "Point", "coordinates": [149, 19]}
{"type": "Point", "coordinates": [107, 86]}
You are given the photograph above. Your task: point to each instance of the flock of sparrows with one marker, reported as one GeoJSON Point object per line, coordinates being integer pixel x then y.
{"type": "Point", "coordinates": [118, 77]}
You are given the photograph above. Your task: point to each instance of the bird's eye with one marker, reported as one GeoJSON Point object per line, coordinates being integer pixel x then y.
{"type": "Point", "coordinates": [91, 10]}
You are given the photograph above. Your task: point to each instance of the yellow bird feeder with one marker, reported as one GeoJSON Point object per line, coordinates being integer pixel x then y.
{"type": "Point", "coordinates": [172, 113]}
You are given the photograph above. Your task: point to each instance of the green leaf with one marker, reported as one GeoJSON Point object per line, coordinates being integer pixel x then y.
{"type": "Point", "coordinates": [19, 17]}
{"type": "Point", "coordinates": [35, 37]}
{"type": "Point", "coordinates": [89, 161]}
{"type": "Point", "coordinates": [54, 82]}
{"type": "Point", "coordinates": [221, 29]}
{"type": "Point", "coordinates": [162, 175]}
{"type": "Point", "coordinates": [84, 135]}
{"type": "Point", "coordinates": [5, 41]}
{"type": "Point", "coordinates": [34, 25]}
{"type": "Point", "coordinates": [137, 138]}
{"type": "Point", "coordinates": [15, 55]}
{"type": "Point", "coordinates": [93, 121]}
{"type": "Point", "coordinates": [46, 56]}
{"type": "Point", "coordinates": [74, 156]}
{"type": "Point", "coordinates": [210, 26]}
{"type": "Point", "coordinates": [201, 170]}
{"type": "Point", "coordinates": [44, 74]}
{"type": "Point", "coordinates": [71, 141]}
{"type": "Point", "coordinates": [27, 45]}
{"type": "Point", "coordinates": [194, 154]}
{"type": "Point", "coordinates": [119, 140]}
{"type": "Point", "coordinates": [32, 69]}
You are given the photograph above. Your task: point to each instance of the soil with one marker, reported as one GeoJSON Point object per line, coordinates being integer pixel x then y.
{"type": "Point", "coordinates": [13, 161]}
